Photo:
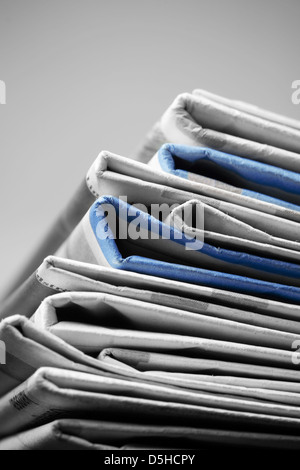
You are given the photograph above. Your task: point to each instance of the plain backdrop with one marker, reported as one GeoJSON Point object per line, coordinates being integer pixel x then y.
{"type": "Point", "coordinates": [88, 75]}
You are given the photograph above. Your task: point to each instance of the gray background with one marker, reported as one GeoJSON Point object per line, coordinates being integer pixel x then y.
{"type": "Point", "coordinates": [87, 75]}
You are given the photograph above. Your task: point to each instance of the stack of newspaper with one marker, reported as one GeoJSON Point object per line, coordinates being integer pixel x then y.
{"type": "Point", "coordinates": [162, 310]}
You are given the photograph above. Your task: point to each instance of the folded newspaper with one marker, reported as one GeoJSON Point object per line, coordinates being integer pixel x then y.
{"type": "Point", "coordinates": [201, 119]}
{"type": "Point", "coordinates": [250, 108]}
{"type": "Point", "coordinates": [28, 348]}
{"type": "Point", "coordinates": [161, 311]}
{"type": "Point", "coordinates": [75, 434]}
{"type": "Point", "coordinates": [230, 173]}
{"type": "Point", "coordinates": [115, 175]}
{"type": "Point", "coordinates": [62, 275]}
{"type": "Point", "coordinates": [93, 322]}
{"type": "Point", "coordinates": [54, 393]}
{"type": "Point", "coordinates": [117, 234]}
{"type": "Point", "coordinates": [207, 375]}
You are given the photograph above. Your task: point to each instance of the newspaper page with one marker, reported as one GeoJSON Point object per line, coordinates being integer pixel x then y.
{"type": "Point", "coordinates": [196, 120]}
{"type": "Point", "coordinates": [54, 393]}
{"type": "Point", "coordinates": [72, 434]}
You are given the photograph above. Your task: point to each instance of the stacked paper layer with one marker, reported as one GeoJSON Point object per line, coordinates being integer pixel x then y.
{"type": "Point", "coordinates": [162, 310]}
